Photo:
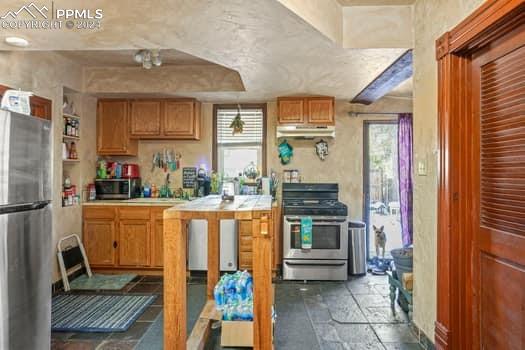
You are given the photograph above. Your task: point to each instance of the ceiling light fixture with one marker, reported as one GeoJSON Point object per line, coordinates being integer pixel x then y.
{"type": "Point", "coordinates": [148, 58]}
{"type": "Point", "coordinates": [16, 41]}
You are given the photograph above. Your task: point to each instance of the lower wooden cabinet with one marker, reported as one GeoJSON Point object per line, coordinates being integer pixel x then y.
{"type": "Point", "coordinates": [132, 237]}
{"type": "Point", "coordinates": [99, 241]}
{"type": "Point", "coordinates": [134, 243]}
{"type": "Point", "coordinates": [245, 245]}
{"type": "Point", "coordinates": [245, 242]}
{"type": "Point", "coordinates": [124, 237]}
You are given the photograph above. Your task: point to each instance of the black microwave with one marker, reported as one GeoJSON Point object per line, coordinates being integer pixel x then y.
{"type": "Point", "coordinates": [118, 188]}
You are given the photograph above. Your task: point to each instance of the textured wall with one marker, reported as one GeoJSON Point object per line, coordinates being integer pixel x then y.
{"type": "Point", "coordinates": [46, 74]}
{"type": "Point", "coordinates": [166, 79]}
{"type": "Point", "coordinates": [344, 163]}
{"type": "Point", "coordinates": [391, 26]}
{"type": "Point", "coordinates": [324, 15]}
{"type": "Point", "coordinates": [431, 19]}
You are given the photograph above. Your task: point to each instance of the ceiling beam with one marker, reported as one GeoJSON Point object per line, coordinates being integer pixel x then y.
{"type": "Point", "coordinates": [395, 74]}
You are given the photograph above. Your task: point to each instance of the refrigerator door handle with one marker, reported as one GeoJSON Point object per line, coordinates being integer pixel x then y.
{"type": "Point", "coordinates": [15, 208]}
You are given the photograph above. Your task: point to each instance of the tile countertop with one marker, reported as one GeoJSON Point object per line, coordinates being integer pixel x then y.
{"type": "Point", "coordinates": [159, 202]}
{"type": "Point", "coordinates": [214, 203]}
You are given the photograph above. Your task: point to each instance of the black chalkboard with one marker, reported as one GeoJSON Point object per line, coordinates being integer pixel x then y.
{"type": "Point", "coordinates": [189, 175]}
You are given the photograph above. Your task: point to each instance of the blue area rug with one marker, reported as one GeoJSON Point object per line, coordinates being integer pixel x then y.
{"type": "Point", "coordinates": [101, 282]}
{"type": "Point", "coordinates": [97, 313]}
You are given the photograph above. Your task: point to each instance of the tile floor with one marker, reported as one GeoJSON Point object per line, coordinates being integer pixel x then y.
{"type": "Point", "coordinates": [318, 315]}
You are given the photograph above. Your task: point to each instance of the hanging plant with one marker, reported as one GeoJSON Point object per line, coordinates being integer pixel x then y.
{"type": "Point", "coordinates": [237, 124]}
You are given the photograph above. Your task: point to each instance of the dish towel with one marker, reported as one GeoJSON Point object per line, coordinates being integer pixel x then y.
{"type": "Point", "coordinates": [306, 232]}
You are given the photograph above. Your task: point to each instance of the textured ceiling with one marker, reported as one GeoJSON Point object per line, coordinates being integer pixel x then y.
{"type": "Point", "coordinates": [124, 58]}
{"type": "Point", "coordinates": [375, 2]}
{"type": "Point", "coordinates": [275, 52]}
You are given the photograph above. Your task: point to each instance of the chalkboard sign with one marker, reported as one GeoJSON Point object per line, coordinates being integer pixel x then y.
{"type": "Point", "coordinates": [189, 175]}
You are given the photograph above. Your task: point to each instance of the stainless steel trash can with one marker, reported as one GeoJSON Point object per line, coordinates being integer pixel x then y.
{"type": "Point", "coordinates": [356, 248]}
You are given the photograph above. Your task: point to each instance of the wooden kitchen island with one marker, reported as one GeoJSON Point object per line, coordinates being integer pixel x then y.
{"type": "Point", "coordinates": [254, 210]}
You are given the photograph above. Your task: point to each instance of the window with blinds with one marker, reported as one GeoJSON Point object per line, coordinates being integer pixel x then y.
{"type": "Point", "coordinates": [235, 152]}
{"type": "Point", "coordinates": [253, 127]}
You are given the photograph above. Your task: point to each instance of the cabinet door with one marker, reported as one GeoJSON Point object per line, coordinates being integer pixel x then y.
{"type": "Point", "coordinates": [112, 129]}
{"type": "Point", "coordinates": [134, 242]}
{"type": "Point", "coordinates": [40, 107]}
{"type": "Point", "coordinates": [157, 254]}
{"type": "Point", "coordinates": [100, 241]}
{"type": "Point", "coordinates": [145, 118]}
{"type": "Point", "coordinates": [320, 110]}
{"type": "Point", "coordinates": [291, 110]}
{"type": "Point", "coordinates": [181, 119]}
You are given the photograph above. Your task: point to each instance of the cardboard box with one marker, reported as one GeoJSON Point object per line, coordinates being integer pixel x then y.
{"type": "Point", "coordinates": [408, 281]}
{"type": "Point", "coordinates": [237, 334]}
{"type": "Point", "coordinates": [240, 333]}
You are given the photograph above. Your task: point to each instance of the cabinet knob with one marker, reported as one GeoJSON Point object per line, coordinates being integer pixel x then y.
{"type": "Point", "coordinates": [115, 244]}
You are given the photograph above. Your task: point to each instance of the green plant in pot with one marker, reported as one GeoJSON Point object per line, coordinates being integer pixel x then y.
{"type": "Point", "coordinates": [237, 124]}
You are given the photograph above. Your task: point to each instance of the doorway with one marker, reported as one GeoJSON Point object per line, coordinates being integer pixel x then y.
{"type": "Point", "coordinates": [481, 230]}
{"type": "Point", "coordinates": [381, 184]}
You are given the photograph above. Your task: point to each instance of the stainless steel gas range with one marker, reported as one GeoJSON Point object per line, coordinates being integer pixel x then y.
{"type": "Point", "coordinates": [328, 257]}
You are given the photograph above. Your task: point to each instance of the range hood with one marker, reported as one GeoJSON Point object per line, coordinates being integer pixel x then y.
{"type": "Point", "coordinates": [306, 131]}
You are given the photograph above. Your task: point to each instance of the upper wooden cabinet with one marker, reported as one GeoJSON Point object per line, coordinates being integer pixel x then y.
{"type": "Point", "coordinates": [291, 110]}
{"type": "Point", "coordinates": [145, 118]}
{"type": "Point", "coordinates": [306, 110]}
{"type": "Point", "coordinates": [113, 128]}
{"type": "Point", "coordinates": [182, 120]}
{"type": "Point", "coordinates": [165, 119]}
{"type": "Point", "coordinates": [320, 110]}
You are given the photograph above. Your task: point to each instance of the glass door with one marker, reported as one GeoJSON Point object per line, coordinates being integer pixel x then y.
{"type": "Point", "coordinates": [381, 185]}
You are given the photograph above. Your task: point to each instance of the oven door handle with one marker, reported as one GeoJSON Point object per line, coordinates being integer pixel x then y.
{"type": "Point", "coordinates": [314, 264]}
{"type": "Point", "coordinates": [318, 223]}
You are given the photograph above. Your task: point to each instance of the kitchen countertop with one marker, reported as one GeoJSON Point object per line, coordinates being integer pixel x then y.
{"type": "Point", "coordinates": [214, 203]}
{"type": "Point", "coordinates": [159, 202]}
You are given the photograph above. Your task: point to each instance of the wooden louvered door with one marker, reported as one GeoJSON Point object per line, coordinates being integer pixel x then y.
{"type": "Point", "coordinates": [498, 198]}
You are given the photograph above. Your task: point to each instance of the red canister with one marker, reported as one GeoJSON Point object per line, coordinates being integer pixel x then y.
{"type": "Point", "coordinates": [130, 171]}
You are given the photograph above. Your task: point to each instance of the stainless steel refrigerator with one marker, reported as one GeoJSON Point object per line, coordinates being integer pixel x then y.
{"type": "Point", "coordinates": [25, 232]}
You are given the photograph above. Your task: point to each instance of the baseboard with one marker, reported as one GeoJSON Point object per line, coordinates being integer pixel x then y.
{"type": "Point", "coordinates": [422, 338]}
{"type": "Point", "coordinates": [442, 336]}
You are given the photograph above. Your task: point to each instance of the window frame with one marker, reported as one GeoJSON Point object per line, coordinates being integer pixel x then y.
{"type": "Point", "coordinates": [215, 148]}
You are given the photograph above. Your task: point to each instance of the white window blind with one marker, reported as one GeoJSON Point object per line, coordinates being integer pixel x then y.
{"type": "Point", "coordinates": [235, 152]}
{"type": "Point", "coordinates": [253, 127]}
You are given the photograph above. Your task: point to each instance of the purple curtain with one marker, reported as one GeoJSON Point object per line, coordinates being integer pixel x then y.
{"type": "Point", "coordinates": [404, 139]}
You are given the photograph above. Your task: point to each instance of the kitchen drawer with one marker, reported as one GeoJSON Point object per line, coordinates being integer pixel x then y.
{"type": "Point", "coordinates": [245, 228]}
{"type": "Point", "coordinates": [104, 212]}
{"type": "Point", "coordinates": [158, 213]}
{"type": "Point", "coordinates": [245, 261]}
{"type": "Point", "coordinates": [134, 213]}
{"type": "Point", "coordinates": [245, 244]}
